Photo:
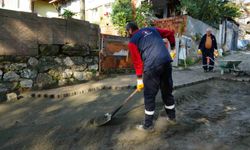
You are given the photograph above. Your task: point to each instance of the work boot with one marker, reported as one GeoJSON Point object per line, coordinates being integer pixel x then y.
{"type": "Point", "coordinates": [142, 127]}
{"type": "Point", "coordinates": [211, 70]}
{"type": "Point", "coordinates": [148, 120]}
{"type": "Point", "coordinates": [170, 121]}
{"type": "Point", "coordinates": [170, 113]}
{"type": "Point", "coordinates": [147, 124]}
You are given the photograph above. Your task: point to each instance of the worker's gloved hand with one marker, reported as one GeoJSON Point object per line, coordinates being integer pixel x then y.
{"type": "Point", "coordinates": [216, 53]}
{"type": "Point", "coordinates": [199, 52]}
{"type": "Point", "coordinates": [140, 84]}
{"type": "Point", "coordinates": [172, 54]}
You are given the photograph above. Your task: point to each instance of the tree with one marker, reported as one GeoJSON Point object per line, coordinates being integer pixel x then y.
{"type": "Point", "coordinates": [122, 14]}
{"type": "Point", "coordinates": [144, 13]}
{"type": "Point", "coordinates": [210, 11]}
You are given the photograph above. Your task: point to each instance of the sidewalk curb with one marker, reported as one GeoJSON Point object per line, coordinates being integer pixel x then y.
{"type": "Point", "coordinates": [44, 94]}
{"type": "Point", "coordinates": [41, 94]}
{"type": "Point", "coordinates": [234, 79]}
{"type": "Point", "coordinates": [67, 91]}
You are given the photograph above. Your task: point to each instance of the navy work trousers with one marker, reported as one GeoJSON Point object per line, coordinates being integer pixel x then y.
{"type": "Point", "coordinates": [155, 79]}
{"type": "Point", "coordinates": [208, 66]}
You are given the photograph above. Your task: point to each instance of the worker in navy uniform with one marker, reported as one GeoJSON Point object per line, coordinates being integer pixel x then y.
{"type": "Point", "coordinates": [152, 63]}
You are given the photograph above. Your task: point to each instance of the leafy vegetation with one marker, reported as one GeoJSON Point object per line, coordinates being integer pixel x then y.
{"type": "Point", "coordinates": [189, 62]}
{"type": "Point", "coordinates": [122, 13]}
{"type": "Point", "coordinates": [143, 15]}
{"type": "Point", "coordinates": [68, 14]}
{"type": "Point", "coordinates": [210, 11]}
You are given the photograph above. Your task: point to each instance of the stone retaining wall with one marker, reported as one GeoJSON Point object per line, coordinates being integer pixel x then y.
{"type": "Point", "coordinates": [41, 53]}
{"type": "Point", "coordinates": [42, 72]}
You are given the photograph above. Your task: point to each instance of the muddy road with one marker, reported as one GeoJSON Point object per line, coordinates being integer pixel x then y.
{"type": "Point", "coordinates": [210, 115]}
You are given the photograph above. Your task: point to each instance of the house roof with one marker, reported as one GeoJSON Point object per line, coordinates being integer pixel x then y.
{"type": "Point", "coordinates": [57, 1]}
{"type": "Point", "coordinates": [53, 1]}
{"type": "Point", "coordinates": [89, 4]}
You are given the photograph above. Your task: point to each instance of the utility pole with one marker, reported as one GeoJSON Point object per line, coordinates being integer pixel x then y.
{"type": "Point", "coordinates": [31, 8]}
{"type": "Point", "coordinates": [2, 3]}
{"type": "Point", "coordinates": [82, 9]}
{"type": "Point", "coordinates": [165, 12]}
{"type": "Point", "coordinates": [133, 3]}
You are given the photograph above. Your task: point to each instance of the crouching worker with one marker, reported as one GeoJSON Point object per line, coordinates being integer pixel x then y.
{"type": "Point", "coordinates": [152, 63]}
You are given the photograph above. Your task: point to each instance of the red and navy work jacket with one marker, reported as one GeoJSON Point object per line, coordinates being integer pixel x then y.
{"type": "Point", "coordinates": [148, 50]}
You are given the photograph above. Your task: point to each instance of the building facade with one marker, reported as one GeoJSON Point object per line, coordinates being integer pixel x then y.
{"type": "Point", "coordinates": [41, 7]}
{"type": "Point", "coordinates": [45, 9]}
{"type": "Point", "coordinates": [17, 5]}
{"type": "Point", "coordinates": [99, 12]}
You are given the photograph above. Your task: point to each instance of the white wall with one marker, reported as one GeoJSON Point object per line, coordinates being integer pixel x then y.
{"type": "Point", "coordinates": [44, 9]}
{"type": "Point", "coordinates": [18, 5]}
{"type": "Point", "coordinates": [196, 26]}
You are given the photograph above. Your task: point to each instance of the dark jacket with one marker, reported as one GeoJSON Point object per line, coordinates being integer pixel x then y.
{"type": "Point", "coordinates": [203, 41]}
{"type": "Point", "coordinates": [148, 49]}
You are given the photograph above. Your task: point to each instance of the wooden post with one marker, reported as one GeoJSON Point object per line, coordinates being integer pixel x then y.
{"type": "Point", "coordinates": [82, 9]}
{"type": "Point", "coordinates": [133, 4]}
{"type": "Point", "coordinates": [177, 47]}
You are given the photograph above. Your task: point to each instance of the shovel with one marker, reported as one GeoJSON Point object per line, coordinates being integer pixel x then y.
{"type": "Point", "coordinates": [102, 120]}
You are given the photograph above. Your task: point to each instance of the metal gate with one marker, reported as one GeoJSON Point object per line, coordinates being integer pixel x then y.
{"type": "Point", "coordinates": [114, 54]}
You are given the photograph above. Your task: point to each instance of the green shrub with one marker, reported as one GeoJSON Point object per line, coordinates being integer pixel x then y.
{"type": "Point", "coordinates": [67, 14]}
{"type": "Point", "coordinates": [189, 61]}
{"type": "Point", "coordinates": [122, 13]}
